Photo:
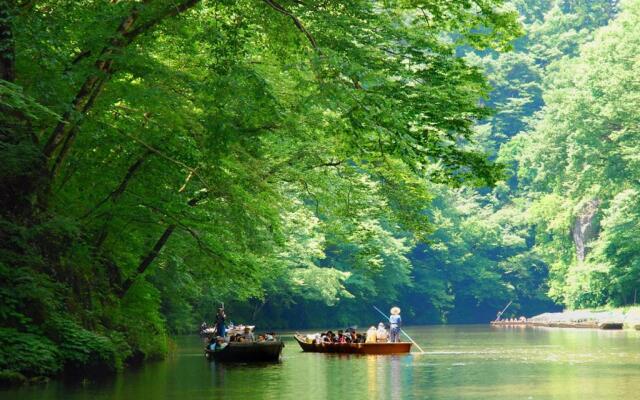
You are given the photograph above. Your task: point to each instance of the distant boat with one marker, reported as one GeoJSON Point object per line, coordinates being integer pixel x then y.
{"type": "Point", "coordinates": [509, 323]}
{"type": "Point", "coordinates": [247, 352]}
{"type": "Point", "coordinates": [563, 324]}
{"type": "Point", "coordinates": [354, 348]}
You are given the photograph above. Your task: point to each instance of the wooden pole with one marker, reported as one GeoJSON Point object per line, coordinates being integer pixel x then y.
{"type": "Point", "coordinates": [401, 330]}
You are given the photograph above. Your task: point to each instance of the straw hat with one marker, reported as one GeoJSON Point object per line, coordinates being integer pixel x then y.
{"type": "Point", "coordinates": [395, 311]}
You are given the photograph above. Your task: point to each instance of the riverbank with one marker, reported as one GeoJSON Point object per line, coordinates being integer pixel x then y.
{"type": "Point", "coordinates": [617, 318]}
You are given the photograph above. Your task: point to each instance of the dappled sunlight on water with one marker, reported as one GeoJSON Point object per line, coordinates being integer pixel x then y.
{"type": "Point", "coordinates": [460, 362]}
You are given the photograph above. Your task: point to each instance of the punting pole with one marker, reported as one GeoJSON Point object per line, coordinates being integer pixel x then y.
{"type": "Point", "coordinates": [401, 330]}
{"type": "Point", "coordinates": [505, 309]}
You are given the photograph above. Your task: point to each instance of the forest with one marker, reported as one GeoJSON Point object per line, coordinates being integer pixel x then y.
{"type": "Point", "coordinates": [300, 162]}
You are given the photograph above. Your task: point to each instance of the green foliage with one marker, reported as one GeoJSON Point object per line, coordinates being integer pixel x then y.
{"type": "Point", "coordinates": [81, 351]}
{"type": "Point", "coordinates": [616, 251]}
{"type": "Point", "coordinates": [140, 319]}
{"type": "Point", "coordinates": [301, 162]}
{"type": "Point", "coordinates": [28, 353]}
{"type": "Point", "coordinates": [575, 166]}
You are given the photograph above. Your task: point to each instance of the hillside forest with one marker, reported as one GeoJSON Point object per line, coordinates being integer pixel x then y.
{"type": "Point", "coordinates": [300, 162]}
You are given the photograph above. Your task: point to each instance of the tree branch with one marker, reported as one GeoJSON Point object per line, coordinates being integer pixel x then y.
{"type": "Point", "coordinates": [65, 131]}
{"type": "Point", "coordinates": [295, 20]}
{"type": "Point", "coordinates": [169, 12]}
{"type": "Point", "coordinates": [117, 192]}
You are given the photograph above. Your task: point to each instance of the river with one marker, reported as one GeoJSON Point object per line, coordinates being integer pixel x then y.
{"type": "Point", "coordinates": [460, 362]}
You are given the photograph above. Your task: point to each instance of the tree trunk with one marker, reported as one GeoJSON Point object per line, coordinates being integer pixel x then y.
{"type": "Point", "coordinates": [148, 259]}
{"type": "Point", "coordinates": [90, 89]}
{"type": "Point", "coordinates": [155, 251]}
{"type": "Point", "coordinates": [63, 135]}
{"type": "Point", "coordinates": [7, 43]}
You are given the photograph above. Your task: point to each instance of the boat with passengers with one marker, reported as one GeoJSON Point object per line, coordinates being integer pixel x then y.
{"type": "Point", "coordinates": [352, 348]}
{"type": "Point", "coordinates": [240, 345]}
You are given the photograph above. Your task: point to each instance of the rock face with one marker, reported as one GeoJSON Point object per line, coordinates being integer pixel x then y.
{"type": "Point", "coordinates": [628, 318]}
{"type": "Point", "coordinates": [585, 228]}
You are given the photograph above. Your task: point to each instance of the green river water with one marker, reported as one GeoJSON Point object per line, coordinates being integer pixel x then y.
{"type": "Point", "coordinates": [460, 362]}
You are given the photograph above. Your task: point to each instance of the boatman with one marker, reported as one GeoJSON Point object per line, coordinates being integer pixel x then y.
{"type": "Point", "coordinates": [394, 325]}
{"type": "Point", "coordinates": [220, 317]}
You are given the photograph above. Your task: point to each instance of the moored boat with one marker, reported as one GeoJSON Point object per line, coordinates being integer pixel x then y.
{"type": "Point", "coordinates": [508, 323]}
{"type": "Point", "coordinates": [268, 351]}
{"type": "Point", "coordinates": [354, 348]}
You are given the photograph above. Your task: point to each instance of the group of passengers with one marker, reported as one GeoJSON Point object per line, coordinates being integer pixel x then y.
{"type": "Point", "coordinates": [511, 320]}
{"type": "Point", "coordinates": [248, 336]}
{"type": "Point", "coordinates": [218, 336]}
{"type": "Point", "coordinates": [373, 335]}
{"type": "Point", "coordinates": [522, 319]}
{"type": "Point", "coordinates": [348, 336]}
{"type": "Point", "coordinates": [219, 342]}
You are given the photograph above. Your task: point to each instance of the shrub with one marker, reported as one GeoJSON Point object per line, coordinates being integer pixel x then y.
{"type": "Point", "coordinates": [83, 352]}
{"type": "Point", "coordinates": [28, 354]}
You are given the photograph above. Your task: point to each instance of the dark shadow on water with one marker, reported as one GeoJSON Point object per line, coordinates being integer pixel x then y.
{"type": "Point", "coordinates": [243, 365]}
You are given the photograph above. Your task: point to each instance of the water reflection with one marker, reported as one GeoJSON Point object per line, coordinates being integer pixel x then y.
{"type": "Point", "coordinates": [396, 378]}
{"type": "Point", "coordinates": [372, 379]}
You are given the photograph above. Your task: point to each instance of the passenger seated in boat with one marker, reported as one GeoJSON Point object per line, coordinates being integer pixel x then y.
{"type": "Point", "coordinates": [349, 337]}
{"type": "Point", "coordinates": [213, 343]}
{"type": "Point", "coordinates": [203, 329]}
{"type": "Point", "coordinates": [270, 336]}
{"type": "Point", "coordinates": [262, 338]}
{"type": "Point", "coordinates": [217, 343]}
{"type": "Point", "coordinates": [359, 338]}
{"type": "Point", "coordinates": [329, 337]}
{"type": "Point", "coordinates": [382, 335]}
{"type": "Point", "coordinates": [247, 336]}
{"type": "Point", "coordinates": [353, 335]}
{"type": "Point", "coordinates": [371, 335]}
{"type": "Point", "coordinates": [341, 338]}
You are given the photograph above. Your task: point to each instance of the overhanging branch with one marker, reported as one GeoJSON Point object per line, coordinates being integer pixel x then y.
{"type": "Point", "coordinates": [296, 21]}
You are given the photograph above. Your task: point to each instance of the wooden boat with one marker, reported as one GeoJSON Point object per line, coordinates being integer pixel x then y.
{"type": "Point", "coordinates": [508, 323]}
{"type": "Point", "coordinates": [247, 352]}
{"type": "Point", "coordinates": [354, 348]}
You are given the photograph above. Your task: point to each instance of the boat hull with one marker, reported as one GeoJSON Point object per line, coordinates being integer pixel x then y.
{"type": "Point", "coordinates": [354, 348]}
{"type": "Point", "coordinates": [247, 352]}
